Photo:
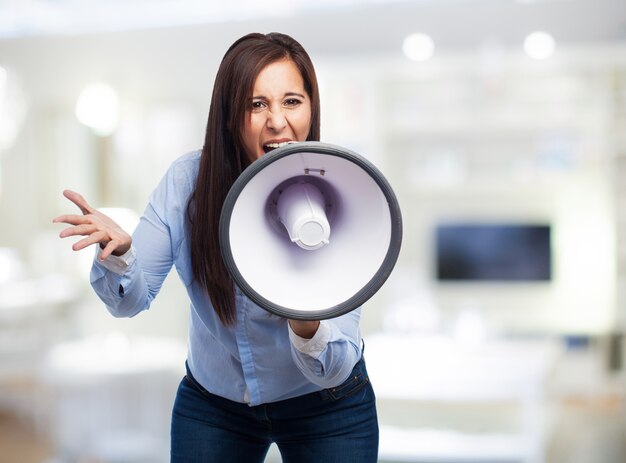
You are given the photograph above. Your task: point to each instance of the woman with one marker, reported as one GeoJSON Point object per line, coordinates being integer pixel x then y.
{"type": "Point", "coordinates": [253, 378]}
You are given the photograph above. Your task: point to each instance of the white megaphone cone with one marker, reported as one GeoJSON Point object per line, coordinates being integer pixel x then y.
{"type": "Point", "coordinates": [310, 231]}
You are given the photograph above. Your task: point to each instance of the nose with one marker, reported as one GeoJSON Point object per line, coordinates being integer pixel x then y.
{"type": "Point", "coordinates": [276, 120]}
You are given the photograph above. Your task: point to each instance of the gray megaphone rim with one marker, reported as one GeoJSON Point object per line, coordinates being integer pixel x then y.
{"type": "Point", "coordinates": [370, 288]}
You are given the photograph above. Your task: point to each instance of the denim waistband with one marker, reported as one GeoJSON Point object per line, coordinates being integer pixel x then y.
{"type": "Point", "coordinates": [358, 377]}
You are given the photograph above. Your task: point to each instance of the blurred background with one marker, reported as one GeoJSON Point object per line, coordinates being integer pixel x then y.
{"type": "Point", "coordinates": [501, 125]}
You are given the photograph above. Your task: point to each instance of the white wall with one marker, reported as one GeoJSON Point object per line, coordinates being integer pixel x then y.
{"type": "Point", "coordinates": [506, 139]}
{"type": "Point", "coordinates": [456, 138]}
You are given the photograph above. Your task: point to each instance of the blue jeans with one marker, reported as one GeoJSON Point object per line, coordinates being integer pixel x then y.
{"type": "Point", "coordinates": [333, 425]}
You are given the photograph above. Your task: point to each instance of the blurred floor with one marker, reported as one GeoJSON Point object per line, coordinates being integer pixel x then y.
{"type": "Point", "coordinates": [589, 431]}
{"type": "Point", "coordinates": [585, 432]}
{"type": "Point", "coordinates": [20, 443]}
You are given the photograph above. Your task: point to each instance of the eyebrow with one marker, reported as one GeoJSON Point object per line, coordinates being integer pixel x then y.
{"type": "Point", "coordinates": [285, 95]}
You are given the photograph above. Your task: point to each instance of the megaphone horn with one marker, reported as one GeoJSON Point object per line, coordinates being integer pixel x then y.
{"type": "Point", "coordinates": [310, 231]}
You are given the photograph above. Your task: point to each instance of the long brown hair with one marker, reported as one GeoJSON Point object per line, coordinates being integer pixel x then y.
{"type": "Point", "coordinates": [224, 157]}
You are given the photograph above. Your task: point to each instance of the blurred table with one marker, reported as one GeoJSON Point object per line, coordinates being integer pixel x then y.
{"type": "Point", "coordinates": [34, 313]}
{"type": "Point", "coordinates": [438, 370]}
{"type": "Point", "coordinates": [112, 397]}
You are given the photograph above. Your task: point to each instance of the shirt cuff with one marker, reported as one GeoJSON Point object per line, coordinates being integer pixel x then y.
{"type": "Point", "coordinates": [117, 264]}
{"type": "Point", "coordinates": [314, 346]}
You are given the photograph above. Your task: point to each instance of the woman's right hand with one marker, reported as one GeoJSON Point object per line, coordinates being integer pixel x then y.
{"type": "Point", "coordinates": [95, 226]}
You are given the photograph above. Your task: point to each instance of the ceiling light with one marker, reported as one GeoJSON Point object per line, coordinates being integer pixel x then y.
{"type": "Point", "coordinates": [539, 45]}
{"type": "Point", "coordinates": [418, 47]}
{"type": "Point", "coordinates": [98, 108]}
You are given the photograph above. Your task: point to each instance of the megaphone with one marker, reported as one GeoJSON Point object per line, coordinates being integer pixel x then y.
{"type": "Point", "coordinates": [310, 231]}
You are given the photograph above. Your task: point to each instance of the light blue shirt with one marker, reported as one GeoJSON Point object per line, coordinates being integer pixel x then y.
{"type": "Point", "coordinates": [258, 359]}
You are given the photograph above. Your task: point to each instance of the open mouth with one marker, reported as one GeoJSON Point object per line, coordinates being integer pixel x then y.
{"type": "Point", "coordinates": [272, 146]}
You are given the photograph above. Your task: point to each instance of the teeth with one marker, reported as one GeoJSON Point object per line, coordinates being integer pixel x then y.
{"type": "Point", "coordinates": [278, 145]}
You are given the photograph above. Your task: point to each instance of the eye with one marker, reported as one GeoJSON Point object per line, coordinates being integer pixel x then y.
{"type": "Point", "coordinates": [292, 102]}
{"type": "Point", "coordinates": [257, 105]}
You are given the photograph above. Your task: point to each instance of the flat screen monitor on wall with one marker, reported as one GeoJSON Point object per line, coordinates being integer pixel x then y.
{"type": "Point", "coordinates": [493, 252]}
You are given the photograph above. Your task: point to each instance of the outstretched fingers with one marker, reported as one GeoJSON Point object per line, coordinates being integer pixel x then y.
{"type": "Point", "coordinates": [109, 248]}
{"type": "Point", "coordinates": [72, 219]}
{"type": "Point", "coordinates": [78, 199]}
{"type": "Point", "coordinates": [94, 238]}
{"type": "Point", "coordinates": [87, 229]}
{"type": "Point", "coordinates": [96, 228]}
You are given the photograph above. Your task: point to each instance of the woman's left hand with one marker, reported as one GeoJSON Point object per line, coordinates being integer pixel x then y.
{"type": "Point", "coordinates": [304, 329]}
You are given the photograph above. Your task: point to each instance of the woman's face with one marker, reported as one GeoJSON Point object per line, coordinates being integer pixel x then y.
{"type": "Point", "coordinates": [280, 110]}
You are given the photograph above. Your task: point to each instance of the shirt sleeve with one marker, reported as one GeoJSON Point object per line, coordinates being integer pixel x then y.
{"type": "Point", "coordinates": [117, 264]}
{"type": "Point", "coordinates": [128, 284]}
{"type": "Point", "coordinates": [124, 294]}
{"type": "Point", "coordinates": [329, 356]}
{"type": "Point", "coordinates": [314, 346]}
